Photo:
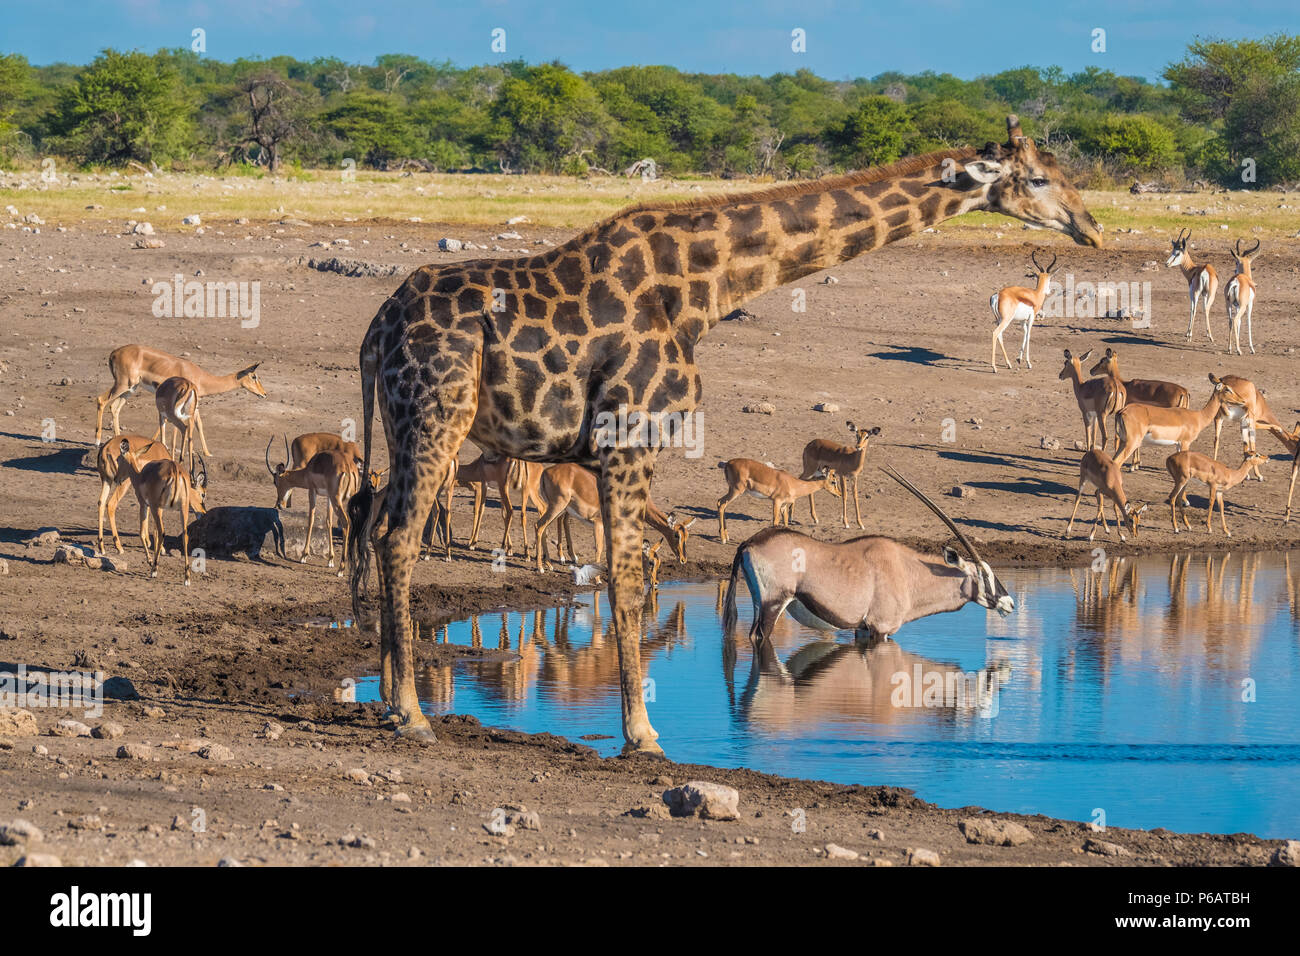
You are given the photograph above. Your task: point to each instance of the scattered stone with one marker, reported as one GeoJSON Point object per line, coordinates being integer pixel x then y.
{"type": "Point", "coordinates": [179, 823]}
{"type": "Point", "coordinates": [1288, 854]}
{"type": "Point", "coordinates": [270, 731]}
{"type": "Point", "coordinates": [922, 857]}
{"type": "Point", "coordinates": [663, 780]}
{"type": "Point", "coordinates": [154, 711]}
{"type": "Point", "coordinates": [357, 775]}
{"type": "Point", "coordinates": [524, 819]}
{"type": "Point", "coordinates": [193, 220]}
{"type": "Point", "coordinates": [120, 688]}
{"type": "Point", "coordinates": [834, 851]}
{"type": "Point", "coordinates": [43, 537]}
{"type": "Point", "coordinates": [962, 491]}
{"type": "Point", "coordinates": [69, 728]}
{"type": "Point", "coordinates": [228, 861]}
{"type": "Point", "coordinates": [994, 832]}
{"type": "Point", "coordinates": [509, 236]}
{"type": "Point", "coordinates": [15, 722]}
{"type": "Point", "coordinates": [401, 797]}
{"type": "Point", "coordinates": [1102, 848]}
{"type": "Point", "coordinates": [108, 730]}
{"type": "Point", "coordinates": [876, 835]}
{"type": "Point", "coordinates": [39, 859]}
{"type": "Point", "coordinates": [650, 811]}
{"type": "Point", "coordinates": [142, 229]}
{"type": "Point", "coordinates": [760, 408]}
{"type": "Point", "coordinates": [826, 407]}
{"type": "Point", "coordinates": [830, 280]}
{"type": "Point", "coordinates": [357, 841]}
{"type": "Point", "coordinates": [516, 220]}
{"type": "Point", "coordinates": [87, 821]}
{"type": "Point", "coordinates": [1049, 443]}
{"type": "Point", "coordinates": [293, 222]}
{"type": "Point", "coordinates": [710, 801]}
{"type": "Point", "coordinates": [14, 832]}
{"type": "Point", "coordinates": [740, 315]}
{"type": "Point", "coordinates": [147, 244]}
{"type": "Point", "coordinates": [1079, 445]}
{"type": "Point", "coordinates": [216, 751]}
{"type": "Point", "coordinates": [134, 752]}
{"type": "Point", "coordinates": [450, 245]}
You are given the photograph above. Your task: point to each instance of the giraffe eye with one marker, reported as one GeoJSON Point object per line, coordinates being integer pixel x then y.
{"type": "Point", "coordinates": [1038, 182]}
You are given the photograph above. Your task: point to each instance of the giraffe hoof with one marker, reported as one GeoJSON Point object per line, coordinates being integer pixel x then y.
{"type": "Point", "coordinates": [419, 732]}
{"type": "Point", "coordinates": [648, 747]}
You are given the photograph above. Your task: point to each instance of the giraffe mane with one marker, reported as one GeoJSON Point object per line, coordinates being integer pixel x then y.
{"type": "Point", "coordinates": [903, 167]}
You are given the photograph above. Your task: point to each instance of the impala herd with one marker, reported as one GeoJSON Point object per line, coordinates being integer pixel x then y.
{"type": "Point", "coordinates": [1138, 412]}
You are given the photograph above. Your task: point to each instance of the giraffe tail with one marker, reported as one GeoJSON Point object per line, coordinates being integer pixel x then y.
{"type": "Point", "coordinates": [361, 510]}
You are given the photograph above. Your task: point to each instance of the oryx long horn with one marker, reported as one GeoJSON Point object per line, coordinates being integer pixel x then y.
{"type": "Point", "coordinates": [268, 456]}
{"type": "Point", "coordinates": [935, 508]}
{"type": "Point", "coordinates": [287, 456]}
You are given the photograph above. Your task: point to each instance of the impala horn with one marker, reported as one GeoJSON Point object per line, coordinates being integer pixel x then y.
{"type": "Point", "coordinates": [936, 509]}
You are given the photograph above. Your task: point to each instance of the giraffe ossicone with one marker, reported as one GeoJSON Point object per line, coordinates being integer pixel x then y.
{"type": "Point", "coordinates": [607, 325]}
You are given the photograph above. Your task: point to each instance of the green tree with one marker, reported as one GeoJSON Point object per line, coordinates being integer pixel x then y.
{"type": "Point", "coordinates": [874, 134]}
{"type": "Point", "coordinates": [547, 120]}
{"type": "Point", "coordinates": [1249, 92]}
{"type": "Point", "coordinates": [125, 106]}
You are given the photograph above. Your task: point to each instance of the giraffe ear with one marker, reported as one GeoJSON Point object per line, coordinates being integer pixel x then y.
{"type": "Point", "coordinates": [984, 170]}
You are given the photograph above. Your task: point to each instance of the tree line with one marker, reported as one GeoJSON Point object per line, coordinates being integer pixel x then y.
{"type": "Point", "coordinates": [1229, 112]}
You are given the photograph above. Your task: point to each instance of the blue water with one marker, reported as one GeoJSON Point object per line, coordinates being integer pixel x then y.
{"type": "Point", "coordinates": [1125, 692]}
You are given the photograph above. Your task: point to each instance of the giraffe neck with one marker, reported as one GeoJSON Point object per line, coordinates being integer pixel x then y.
{"type": "Point", "coordinates": [773, 241]}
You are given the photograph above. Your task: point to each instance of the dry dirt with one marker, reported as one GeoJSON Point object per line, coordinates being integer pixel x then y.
{"type": "Point", "coordinates": [901, 340]}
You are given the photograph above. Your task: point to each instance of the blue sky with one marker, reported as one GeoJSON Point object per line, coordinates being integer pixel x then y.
{"type": "Point", "coordinates": [844, 40]}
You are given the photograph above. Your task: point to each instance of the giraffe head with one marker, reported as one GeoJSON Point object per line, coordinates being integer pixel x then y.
{"type": "Point", "coordinates": [1028, 185]}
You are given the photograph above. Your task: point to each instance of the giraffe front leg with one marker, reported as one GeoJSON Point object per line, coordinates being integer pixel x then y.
{"type": "Point", "coordinates": [624, 490]}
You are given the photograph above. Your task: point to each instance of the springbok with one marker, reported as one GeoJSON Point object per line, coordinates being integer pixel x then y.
{"type": "Point", "coordinates": [177, 401]}
{"type": "Point", "coordinates": [330, 474]}
{"type": "Point", "coordinates": [163, 485]}
{"type": "Point", "coordinates": [824, 456]}
{"type": "Point", "coordinates": [1253, 411]}
{"type": "Point", "coordinates": [114, 478]}
{"type": "Point", "coordinates": [1096, 397]}
{"type": "Point", "coordinates": [1239, 297]}
{"type": "Point", "coordinates": [872, 584]}
{"type": "Point", "coordinates": [1096, 468]}
{"type": "Point", "coordinates": [1148, 425]}
{"type": "Point", "coordinates": [1143, 391]}
{"type": "Point", "coordinates": [1018, 303]}
{"type": "Point", "coordinates": [132, 365]}
{"type": "Point", "coordinates": [1202, 282]}
{"type": "Point", "coordinates": [748, 477]}
{"type": "Point", "coordinates": [1186, 465]}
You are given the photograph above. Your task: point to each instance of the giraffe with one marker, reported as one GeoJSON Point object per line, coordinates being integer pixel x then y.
{"type": "Point", "coordinates": [527, 356]}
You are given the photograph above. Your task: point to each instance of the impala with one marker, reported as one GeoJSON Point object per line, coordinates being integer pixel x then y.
{"type": "Point", "coordinates": [1149, 425]}
{"type": "Point", "coordinates": [1186, 465]}
{"type": "Point", "coordinates": [163, 485]}
{"type": "Point", "coordinates": [1018, 303]}
{"type": "Point", "coordinates": [1202, 283]}
{"type": "Point", "coordinates": [822, 455]}
{"type": "Point", "coordinates": [114, 478]}
{"type": "Point", "coordinates": [132, 365]}
{"type": "Point", "coordinates": [872, 584]}
{"type": "Point", "coordinates": [306, 446]}
{"type": "Point", "coordinates": [177, 401]}
{"type": "Point", "coordinates": [1239, 296]}
{"type": "Point", "coordinates": [1252, 412]}
{"type": "Point", "coordinates": [748, 477]}
{"type": "Point", "coordinates": [1097, 398]}
{"type": "Point", "coordinates": [570, 490]}
{"type": "Point", "coordinates": [1096, 468]}
{"type": "Point", "coordinates": [332, 475]}
{"type": "Point", "coordinates": [1143, 391]}
{"type": "Point", "coordinates": [1294, 438]}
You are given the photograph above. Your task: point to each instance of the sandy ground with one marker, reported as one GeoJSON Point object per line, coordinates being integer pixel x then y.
{"type": "Point", "coordinates": [900, 341]}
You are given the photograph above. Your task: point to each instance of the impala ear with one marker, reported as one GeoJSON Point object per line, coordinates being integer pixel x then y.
{"type": "Point", "coordinates": [691, 522]}
{"type": "Point", "coordinates": [874, 431]}
{"type": "Point", "coordinates": [951, 557]}
{"type": "Point", "coordinates": [1084, 356]}
{"type": "Point", "coordinates": [985, 170]}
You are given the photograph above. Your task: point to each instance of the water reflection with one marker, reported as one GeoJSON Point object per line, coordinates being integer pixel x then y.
{"type": "Point", "coordinates": [1158, 687]}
